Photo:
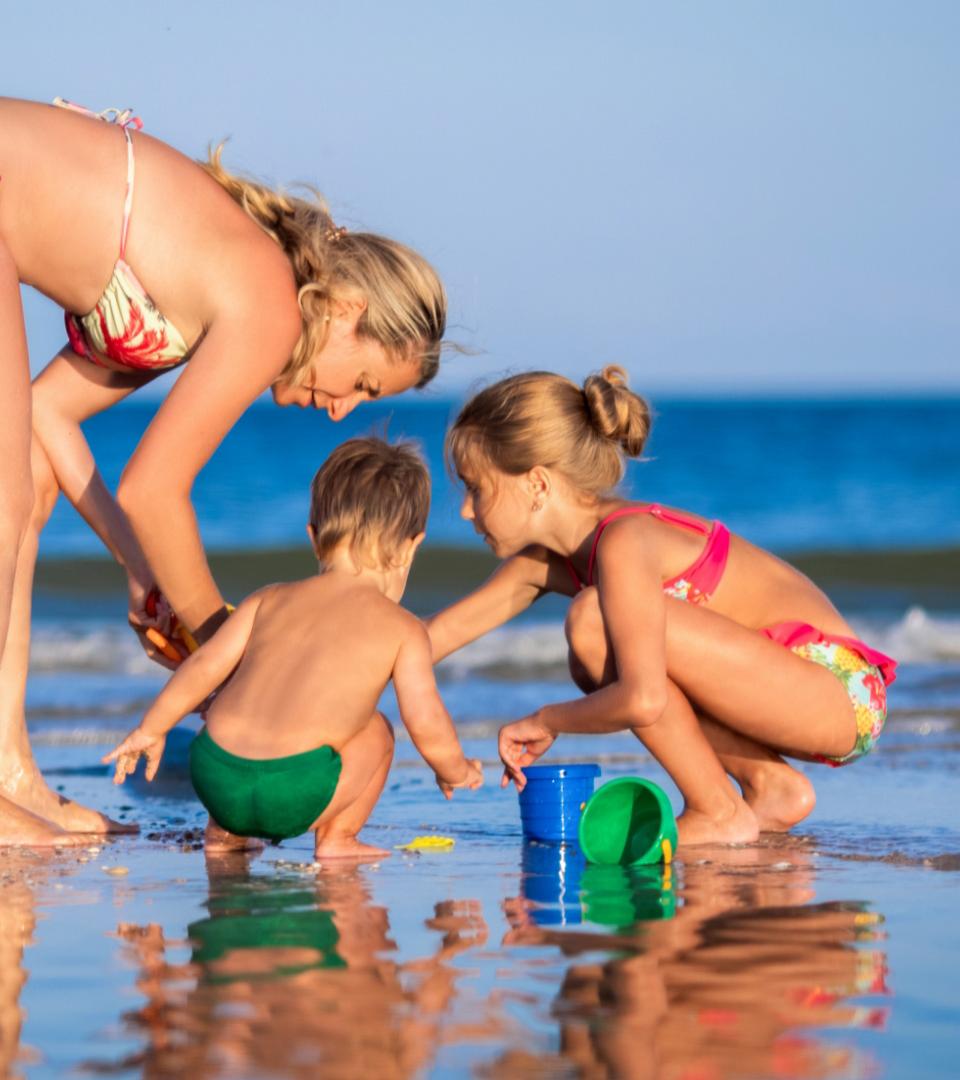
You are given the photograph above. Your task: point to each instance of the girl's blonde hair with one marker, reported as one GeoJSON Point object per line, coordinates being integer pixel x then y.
{"type": "Point", "coordinates": [539, 418]}
{"type": "Point", "coordinates": [406, 303]}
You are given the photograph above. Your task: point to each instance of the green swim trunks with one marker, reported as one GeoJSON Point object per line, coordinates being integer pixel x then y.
{"type": "Point", "coordinates": [274, 799]}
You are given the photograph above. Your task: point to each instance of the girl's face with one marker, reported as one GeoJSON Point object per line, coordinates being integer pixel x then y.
{"type": "Point", "coordinates": [501, 509]}
{"type": "Point", "coordinates": [348, 370]}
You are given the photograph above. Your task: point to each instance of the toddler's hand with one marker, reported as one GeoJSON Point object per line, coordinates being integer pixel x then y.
{"type": "Point", "coordinates": [521, 743]}
{"type": "Point", "coordinates": [472, 780]}
{"type": "Point", "coordinates": [127, 754]}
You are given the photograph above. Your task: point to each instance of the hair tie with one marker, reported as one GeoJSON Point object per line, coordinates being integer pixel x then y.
{"type": "Point", "coordinates": [336, 234]}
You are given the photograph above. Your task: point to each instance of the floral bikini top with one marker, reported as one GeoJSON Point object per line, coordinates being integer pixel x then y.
{"type": "Point", "coordinates": [699, 581]}
{"type": "Point", "coordinates": [125, 331]}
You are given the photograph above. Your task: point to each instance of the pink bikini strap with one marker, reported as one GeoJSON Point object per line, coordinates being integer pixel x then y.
{"type": "Point", "coordinates": [669, 517]}
{"type": "Point", "coordinates": [124, 119]}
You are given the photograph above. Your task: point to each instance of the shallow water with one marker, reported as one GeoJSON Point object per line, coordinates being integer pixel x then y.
{"type": "Point", "coordinates": [828, 954]}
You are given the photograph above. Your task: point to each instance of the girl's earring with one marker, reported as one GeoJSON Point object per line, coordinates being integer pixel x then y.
{"type": "Point", "coordinates": [537, 506]}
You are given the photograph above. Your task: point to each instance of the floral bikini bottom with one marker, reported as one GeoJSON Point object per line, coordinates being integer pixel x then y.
{"type": "Point", "coordinates": [864, 672]}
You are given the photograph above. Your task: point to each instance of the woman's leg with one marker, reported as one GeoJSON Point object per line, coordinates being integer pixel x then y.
{"type": "Point", "coordinates": [366, 762]}
{"type": "Point", "coordinates": [778, 794]}
{"type": "Point", "coordinates": [20, 778]}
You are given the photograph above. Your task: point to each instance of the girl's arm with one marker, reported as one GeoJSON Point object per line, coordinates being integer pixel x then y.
{"type": "Point", "coordinates": [243, 352]}
{"type": "Point", "coordinates": [193, 681]}
{"type": "Point", "coordinates": [425, 716]}
{"type": "Point", "coordinates": [510, 589]}
{"type": "Point", "coordinates": [633, 608]}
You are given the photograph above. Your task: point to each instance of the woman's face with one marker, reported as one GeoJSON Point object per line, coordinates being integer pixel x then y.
{"type": "Point", "coordinates": [348, 370]}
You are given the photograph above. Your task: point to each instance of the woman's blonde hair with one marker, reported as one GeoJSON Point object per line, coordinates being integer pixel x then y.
{"type": "Point", "coordinates": [406, 303]}
{"type": "Point", "coordinates": [539, 418]}
{"type": "Point", "coordinates": [372, 494]}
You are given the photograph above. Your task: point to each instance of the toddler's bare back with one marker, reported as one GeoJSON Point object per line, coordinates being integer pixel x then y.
{"type": "Point", "coordinates": [319, 655]}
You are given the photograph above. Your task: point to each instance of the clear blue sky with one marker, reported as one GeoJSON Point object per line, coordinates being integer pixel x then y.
{"type": "Point", "coordinates": [747, 196]}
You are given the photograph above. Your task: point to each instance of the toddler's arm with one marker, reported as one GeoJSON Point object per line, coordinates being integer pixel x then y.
{"type": "Point", "coordinates": [196, 678]}
{"type": "Point", "coordinates": [516, 583]}
{"type": "Point", "coordinates": [426, 718]}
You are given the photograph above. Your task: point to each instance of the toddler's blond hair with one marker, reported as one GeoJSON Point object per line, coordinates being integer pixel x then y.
{"type": "Point", "coordinates": [373, 494]}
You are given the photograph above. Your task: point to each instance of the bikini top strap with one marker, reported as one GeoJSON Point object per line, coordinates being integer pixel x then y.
{"type": "Point", "coordinates": [573, 574]}
{"type": "Point", "coordinates": [125, 119]}
{"type": "Point", "coordinates": [677, 517]}
{"type": "Point", "coordinates": [128, 200]}
{"type": "Point", "coordinates": [625, 511]}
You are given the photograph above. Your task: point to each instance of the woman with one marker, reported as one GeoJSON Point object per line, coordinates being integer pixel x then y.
{"type": "Point", "coordinates": [246, 287]}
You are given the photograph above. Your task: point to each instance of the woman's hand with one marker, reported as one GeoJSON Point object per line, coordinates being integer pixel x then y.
{"type": "Point", "coordinates": [520, 744]}
{"type": "Point", "coordinates": [154, 622]}
{"type": "Point", "coordinates": [127, 754]}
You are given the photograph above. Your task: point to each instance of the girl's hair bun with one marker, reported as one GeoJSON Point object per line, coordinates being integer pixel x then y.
{"type": "Point", "coordinates": [615, 411]}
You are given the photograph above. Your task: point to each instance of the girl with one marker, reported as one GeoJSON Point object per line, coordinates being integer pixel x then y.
{"type": "Point", "coordinates": [719, 656]}
{"type": "Point", "coordinates": [159, 262]}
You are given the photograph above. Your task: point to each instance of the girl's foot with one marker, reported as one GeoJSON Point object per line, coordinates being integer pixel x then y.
{"type": "Point", "coordinates": [347, 847]}
{"type": "Point", "coordinates": [779, 796]}
{"type": "Point", "coordinates": [738, 826]}
{"type": "Point", "coordinates": [20, 828]}
{"type": "Point", "coordinates": [217, 840]}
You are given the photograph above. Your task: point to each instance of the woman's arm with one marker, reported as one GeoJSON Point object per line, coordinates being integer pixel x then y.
{"type": "Point", "coordinates": [241, 355]}
{"type": "Point", "coordinates": [510, 589]}
{"type": "Point", "coordinates": [67, 392]}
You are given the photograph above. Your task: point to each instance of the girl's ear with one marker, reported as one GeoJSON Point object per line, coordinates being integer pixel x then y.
{"type": "Point", "coordinates": [539, 483]}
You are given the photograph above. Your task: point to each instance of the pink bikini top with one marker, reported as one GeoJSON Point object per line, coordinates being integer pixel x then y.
{"type": "Point", "coordinates": [699, 581]}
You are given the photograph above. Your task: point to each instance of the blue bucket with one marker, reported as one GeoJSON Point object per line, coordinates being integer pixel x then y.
{"type": "Point", "coordinates": [551, 802]}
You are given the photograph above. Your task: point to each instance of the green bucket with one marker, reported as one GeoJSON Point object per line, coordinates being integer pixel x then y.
{"type": "Point", "coordinates": [628, 822]}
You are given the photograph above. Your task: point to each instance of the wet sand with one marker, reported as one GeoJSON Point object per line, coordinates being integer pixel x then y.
{"type": "Point", "coordinates": [828, 953]}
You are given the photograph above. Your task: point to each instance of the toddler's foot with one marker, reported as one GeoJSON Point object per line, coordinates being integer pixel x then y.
{"type": "Point", "coordinates": [347, 847]}
{"type": "Point", "coordinates": [217, 840]}
{"type": "Point", "coordinates": [739, 826]}
{"type": "Point", "coordinates": [779, 796]}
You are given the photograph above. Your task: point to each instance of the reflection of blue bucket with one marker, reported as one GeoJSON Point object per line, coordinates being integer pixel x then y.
{"type": "Point", "coordinates": [551, 877]}
{"type": "Point", "coordinates": [550, 803]}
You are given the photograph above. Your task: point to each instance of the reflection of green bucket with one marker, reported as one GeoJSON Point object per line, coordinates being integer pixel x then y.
{"type": "Point", "coordinates": [620, 896]}
{"type": "Point", "coordinates": [629, 822]}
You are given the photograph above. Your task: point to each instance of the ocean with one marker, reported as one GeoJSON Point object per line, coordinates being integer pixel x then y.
{"type": "Point", "coordinates": [828, 952]}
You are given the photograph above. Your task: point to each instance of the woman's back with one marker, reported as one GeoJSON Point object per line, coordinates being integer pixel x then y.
{"type": "Point", "coordinates": [64, 178]}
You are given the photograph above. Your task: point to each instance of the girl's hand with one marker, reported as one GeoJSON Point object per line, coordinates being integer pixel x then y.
{"type": "Point", "coordinates": [127, 754]}
{"type": "Point", "coordinates": [154, 622]}
{"type": "Point", "coordinates": [472, 780]}
{"type": "Point", "coordinates": [520, 744]}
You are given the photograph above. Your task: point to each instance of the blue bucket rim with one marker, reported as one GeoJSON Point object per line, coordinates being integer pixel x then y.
{"type": "Point", "coordinates": [579, 770]}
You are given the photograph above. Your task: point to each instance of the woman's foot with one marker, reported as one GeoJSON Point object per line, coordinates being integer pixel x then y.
{"type": "Point", "coordinates": [779, 796]}
{"type": "Point", "coordinates": [218, 841]}
{"type": "Point", "coordinates": [20, 828]}
{"type": "Point", "coordinates": [34, 795]}
{"type": "Point", "coordinates": [736, 825]}
{"type": "Point", "coordinates": [347, 847]}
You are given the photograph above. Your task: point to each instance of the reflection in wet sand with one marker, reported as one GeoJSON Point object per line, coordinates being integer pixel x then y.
{"type": "Point", "coordinates": [293, 979]}
{"type": "Point", "coordinates": [736, 984]}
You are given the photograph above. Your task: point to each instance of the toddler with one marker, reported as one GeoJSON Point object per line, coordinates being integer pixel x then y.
{"type": "Point", "coordinates": [293, 741]}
